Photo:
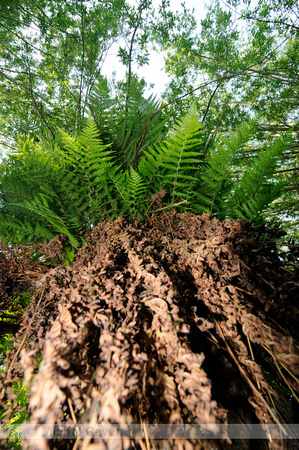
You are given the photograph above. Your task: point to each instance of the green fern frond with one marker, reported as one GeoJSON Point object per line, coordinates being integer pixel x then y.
{"type": "Point", "coordinates": [102, 107]}
{"type": "Point", "coordinates": [14, 231]}
{"type": "Point", "coordinates": [217, 179]}
{"type": "Point", "coordinates": [135, 191]}
{"type": "Point", "coordinates": [255, 190]}
{"type": "Point", "coordinates": [173, 162]}
{"type": "Point", "coordinates": [122, 119]}
{"type": "Point", "coordinates": [115, 190]}
{"type": "Point", "coordinates": [90, 161]}
{"type": "Point", "coordinates": [129, 128]}
{"type": "Point", "coordinates": [58, 188]}
{"type": "Point", "coordinates": [40, 209]}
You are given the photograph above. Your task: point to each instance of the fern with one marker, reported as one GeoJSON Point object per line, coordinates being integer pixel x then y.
{"type": "Point", "coordinates": [27, 230]}
{"type": "Point", "coordinates": [40, 209]}
{"type": "Point", "coordinates": [123, 120]}
{"type": "Point", "coordinates": [218, 177]}
{"type": "Point", "coordinates": [102, 106]}
{"type": "Point", "coordinates": [89, 161]}
{"type": "Point", "coordinates": [60, 191]}
{"type": "Point", "coordinates": [129, 130]}
{"type": "Point", "coordinates": [255, 192]}
{"type": "Point", "coordinates": [135, 193]}
{"type": "Point", "coordinates": [172, 162]}
{"type": "Point", "coordinates": [69, 185]}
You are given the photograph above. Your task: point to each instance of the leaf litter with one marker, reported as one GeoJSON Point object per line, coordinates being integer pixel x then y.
{"type": "Point", "coordinates": [180, 319]}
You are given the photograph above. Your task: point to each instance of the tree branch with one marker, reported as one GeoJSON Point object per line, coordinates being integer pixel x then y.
{"type": "Point", "coordinates": [130, 65]}
{"type": "Point", "coordinates": [210, 100]}
{"type": "Point", "coordinates": [82, 68]}
{"type": "Point", "coordinates": [273, 22]}
{"type": "Point", "coordinates": [38, 109]}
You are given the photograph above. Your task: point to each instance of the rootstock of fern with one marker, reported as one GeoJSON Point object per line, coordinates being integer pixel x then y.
{"type": "Point", "coordinates": [69, 185]}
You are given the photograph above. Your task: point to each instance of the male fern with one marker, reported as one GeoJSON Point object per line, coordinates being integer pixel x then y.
{"type": "Point", "coordinates": [256, 190]}
{"type": "Point", "coordinates": [173, 162]}
{"type": "Point", "coordinates": [218, 178]}
{"type": "Point", "coordinates": [71, 186]}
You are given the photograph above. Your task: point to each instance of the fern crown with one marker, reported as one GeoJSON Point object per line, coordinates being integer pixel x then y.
{"type": "Point", "coordinates": [69, 187]}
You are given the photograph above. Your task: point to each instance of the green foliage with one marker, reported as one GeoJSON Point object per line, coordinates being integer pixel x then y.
{"type": "Point", "coordinates": [123, 120]}
{"type": "Point", "coordinates": [135, 194]}
{"type": "Point", "coordinates": [52, 65]}
{"type": "Point", "coordinates": [11, 316]}
{"type": "Point", "coordinates": [19, 304]}
{"type": "Point", "coordinates": [68, 188]}
{"type": "Point", "coordinates": [69, 255]}
{"type": "Point", "coordinates": [219, 174]}
{"type": "Point", "coordinates": [255, 190]}
{"type": "Point", "coordinates": [249, 56]}
{"type": "Point", "coordinates": [174, 160]}
{"type": "Point", "coordinates": [6, 344]}
{"type": "Point", "coordinates": [61, 190]}
{"type": "Point", "coordinates": [19, 416]}
{"type": "Point", "coordinates": [53, 54]}
{"type": "Point", "coordinates": [20, 413]}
